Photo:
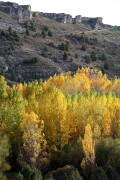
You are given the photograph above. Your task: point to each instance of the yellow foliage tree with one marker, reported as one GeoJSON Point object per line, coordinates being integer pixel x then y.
{"type": "Point", "coordinates": [34, 142]}
{"type": "Point", "coordinates": [89, 151]}
{"type": "Point", "coordinates": [52, 109]}
{"type": "Point", "coordinates": [4, 152]}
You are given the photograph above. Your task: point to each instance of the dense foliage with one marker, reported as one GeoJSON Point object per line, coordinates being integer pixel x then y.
{"type": "Point", "coordinates": [67, 119]}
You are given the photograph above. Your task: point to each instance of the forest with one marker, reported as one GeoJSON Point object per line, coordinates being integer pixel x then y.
{"type": "Point", "coordinates": [66, 127]}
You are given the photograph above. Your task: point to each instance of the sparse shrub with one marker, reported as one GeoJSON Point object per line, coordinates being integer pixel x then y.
{"type": "Point", "coordinates": [106, 65]}
{"type": "Point", "coordinates": [65, 56]}
{"type": "Point", "coordinates": [16, 36]}
{"type": "Point", "coordinates": [103, 57]}
{"type": "Point", "coordinates": [31, 61]}
{"type": "Point", "coordinates": [10, 30]}
{"type": "Point", "coordinates": [87, 59]}
{"type": "Point", "coordinates": [27, 32]}
{"type": "Point", "coordinates": [76, 55]}
{"type": "Point", "coordinates": [12, 47]}
{"type": "Point", "coordinates": [50, 34]}
{"type": "Point", "coordinates": [32, 26]}
{"type": "Point", "coordinates": [44, 54]}
{"type": "Point", "coordinates": [46, 28]}
{"type": "Point", "coordinates": [71, 59]}
{"type": "Point", "coordinates": [103, 70]}
{"type": "Point", "coordinates": [13, 75]}
{"type": "Point", "coordinates": [83, 47]}
{"type": "Point", "coordinates": [63, 46]}
{"type": "Point", "coordinates": [1, 71]}
{"type": "Point", "coordinates": [51, 44]}
{"type": "Point", "coordinates": [9, 51]}
{"type": "Point", "coordinates": [46, 49]}
{"type": "Point", "coordinates": [93, 56]}
{"type": "Point", "coordinates": [26, 24]}
{"type": "Point", "coordinates": [43, 33]}
{"type": "Point", "coordinates": [2, 33]}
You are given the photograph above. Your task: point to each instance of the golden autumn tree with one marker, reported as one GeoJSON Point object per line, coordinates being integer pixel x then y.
{"type": "Point", "coordinates": [117, 124]}
{"type": "Point", "coordinates": [88, 163]}
{"type": "Point", "coordinates": [52, 109]}
{"type": "Point", "coordinates": [106, 125]}
{"type": "Point", "coordinates": [4, 152]}
{"type": "Point", "coordinates": [34, 142]}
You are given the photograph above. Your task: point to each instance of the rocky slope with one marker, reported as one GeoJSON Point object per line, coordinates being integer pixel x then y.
{"type": "Point", "coordinates": [35, 45]}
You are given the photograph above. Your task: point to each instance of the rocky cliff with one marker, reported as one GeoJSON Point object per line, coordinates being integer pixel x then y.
{"type": "Point", "coordinates": [23, 12]}
{"type": "Point", "coordinates": [95, 23]}
{"type": "Point", "coordinates": [16, 11]}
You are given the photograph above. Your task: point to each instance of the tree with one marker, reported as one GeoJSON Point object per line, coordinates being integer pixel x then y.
{"type": "Point", "coordinates": [106, 65]}
{"type": "Point", "coordinates": [106, 125]}
{"type": "Point", "coordinates": [27, 32]}
{"type": "Point", "coordinates": [88, 164]}
{"type": "Point", "coordinates": [50, 34]}
{"type": "Point", "coordinates": [4, 152]}
{"type": "Point", "coordinates": [99, 174]}
{"type": "Point", "coordinates": [52, 109]}
{"type": "Point", "coordinates": [65, 56]}
{"type": "Point", "coordinates": [103, 57]}
{"type": "Point", "coordinates": [111, 173]}
{"type": "Point", "coordinates": [83, 47]}
{"type": "Point", "coordinates": [10, 30]}
{"type": "Point", "coordinates": [30, 173]}
{"type": "Point", "coordinates": [117, 125]}
{"type": "Point", "coordinates": [34, 143]}
{"type": "Point", "coordinates": [93, 56]}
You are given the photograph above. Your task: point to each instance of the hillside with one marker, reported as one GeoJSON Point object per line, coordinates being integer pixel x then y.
{"type": "Point", "coordinates": [40, 47]}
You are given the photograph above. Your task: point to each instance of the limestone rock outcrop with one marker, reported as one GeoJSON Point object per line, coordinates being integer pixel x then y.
{"type": "Point", "coordinates": [23, 12]}
{"type": "Point", "coordinates": [60, 17]}
{"type": "Point", "coordinates": [95, 23]}
{"type": "Point", "coordinates": [17, 12]}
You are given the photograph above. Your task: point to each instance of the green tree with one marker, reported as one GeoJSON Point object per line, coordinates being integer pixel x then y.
{"type": "Point", "coordinates": [99, 174]}
{"type": "Point", "coordinates": [65, 56]}
{"type": "Point", "coordinates": [106, 65]}
{"type": "Point", "coordinates": [50, 34]}
{"type": "Point", "coordinates": [83, 47]}
{"type": "Point", "coordinates": [93, 56]}
{"type": "Point", "coordinates": [111, 173]}
{"type": "Point", "coordinates": [27, 32]}
{"type": "Point", "coordinates": [103, 57]}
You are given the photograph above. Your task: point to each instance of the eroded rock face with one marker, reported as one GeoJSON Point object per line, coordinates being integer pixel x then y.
{"type": "Point", "coordinates": [61, 17]}
{"type": "Point", "coordinates": [77, 19]}
{"type": "Point", "coordinates": [17, 12]}
{"type": "Point", "coordinates": [23, 12]}
{"type": "Point", "coordinates": [95, 23]}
